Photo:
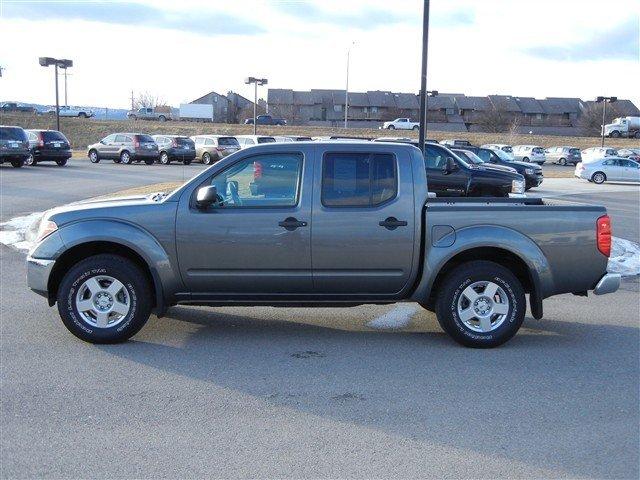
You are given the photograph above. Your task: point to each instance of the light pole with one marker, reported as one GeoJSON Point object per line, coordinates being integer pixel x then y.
{"type": "Point", "coordinates": [256, 82]}
{"type": "Point", "coordinates": [57, 63]}
{"type": "Point", "coordinates": [423, 78]}
{"type": "Point", "coordinates": [346, 91]}
{"type": "Point", "coordinates": [65, 74]}
{"type": "Point", "coordinates": [604, 101]}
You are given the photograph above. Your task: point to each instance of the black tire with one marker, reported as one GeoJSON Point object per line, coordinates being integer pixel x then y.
{"type": "Point", "coordinates": [82, 115]}
{"type": "Point", "coordinates": [206, 158]}
{"type": "Point", "coordinates": [135, 283]}
{"type": "Point", "coordinates": [416, 127]}
{"type": "Point", "coordinates": [450, 293]}
{"type": "Point", "coordinates": [149, 161]}
{"type": "Point", "coordinates": [162, 118]}
{"type": "Point", "coordinates": [61, 162]}
{"type": "Point", "coordinates": [391, 127]}
{"type": "Point", "coordinates": [125, 157]}
{"type": "Point", "coordinates": [30, 161]}
{"type": "Point", "coordinates": [563, 162]}
{"type": "Point", "coordinates": [637, 134]}
{"type": "Point", "coordinates": [599, 178]}
{"type": "Point", "coordinates": [17, 163]}
{"type": "Point", "coordinates": [526, 159]}
{"type": "Point", "coordinates": [93, 156]}
{"type": "Point", "coordinates": [615, 134]}
{"type": "Point", "coordinates": [187, 162]}
{"type": "Point", "coordinates": [164, 158]}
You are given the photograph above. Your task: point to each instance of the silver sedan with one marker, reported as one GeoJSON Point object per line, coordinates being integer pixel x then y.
{"type": "Point", "coordinates": [614, 169]}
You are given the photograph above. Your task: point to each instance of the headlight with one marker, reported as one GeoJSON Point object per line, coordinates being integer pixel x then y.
{"type": "Point", "coordinates": [529, 171]}
{"type": "Point", "coordinates": [47, 227]}
{"type": "Point", "coordinates": [517, 186]}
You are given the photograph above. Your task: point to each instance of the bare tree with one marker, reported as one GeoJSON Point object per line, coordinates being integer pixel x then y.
{"type": "Point", "coordinates": [494, 120]}
{"type": "Point", "coordinates": [147, 99]}
{"type": "Point", "coordinates": [591, 119]}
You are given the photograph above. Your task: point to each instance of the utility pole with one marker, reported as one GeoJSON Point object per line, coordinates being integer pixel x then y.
{"type": "Point", "coordinates": [423, 79]}
{"type": "Point", "coordinates": [62, 63]}
{"type": "Point", "coordinates": [346, 91]}
{"type": "Point", "coordinates": [604, 101]}
{"type": "Point", "coordinates": [64, 73]}
{"type": "Point", "coordinates": [256, 82]}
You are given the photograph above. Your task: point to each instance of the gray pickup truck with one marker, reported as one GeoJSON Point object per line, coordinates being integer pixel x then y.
{"type": "Point", "coordinates": [317, 224]}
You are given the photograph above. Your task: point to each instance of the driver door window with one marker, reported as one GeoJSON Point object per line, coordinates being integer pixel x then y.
{"type": "Point", "coordinates": [261, 181]}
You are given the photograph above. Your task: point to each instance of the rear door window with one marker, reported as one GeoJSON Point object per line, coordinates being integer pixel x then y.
{"type": "Point", "coordinates": [358, 179]}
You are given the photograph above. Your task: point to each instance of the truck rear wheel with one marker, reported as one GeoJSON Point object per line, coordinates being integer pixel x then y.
{"type": "Point", "coordinates": [104, 299]}
{"type": "Point", "coordinates": [480, 304]}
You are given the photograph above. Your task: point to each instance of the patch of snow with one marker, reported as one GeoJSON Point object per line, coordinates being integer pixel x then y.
{"type": "Point", "coordinates": [395, 319]}
{"type": "Point", "coordinates": [20, 232]}
{"type": "Point", "coordinates": [625, 257]}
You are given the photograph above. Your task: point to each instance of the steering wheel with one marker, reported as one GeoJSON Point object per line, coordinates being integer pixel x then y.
{"type": "Point", "coordinates": [232, 189]}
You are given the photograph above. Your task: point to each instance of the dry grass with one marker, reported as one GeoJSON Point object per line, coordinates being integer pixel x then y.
{"type": "Point", "coordinates": [82, 132]}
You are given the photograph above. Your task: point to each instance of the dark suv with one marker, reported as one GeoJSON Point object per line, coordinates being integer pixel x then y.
{"type": "Point", "coordinates": [48, 146]}
{"type": "Point", "coordinates": [14, 146]}
{"type": "Point", "coordinates": [531, 172]}
{"type": "Point", "coordinates": [175, 147]}
{"type": "Point", "coordinates": [125, 148]}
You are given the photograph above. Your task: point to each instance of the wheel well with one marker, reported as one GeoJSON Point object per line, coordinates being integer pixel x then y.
{"type": "Point", "coordinates": [599, 171]}
{"type": "Point", "coordinates": [507, 259]}
{"type": "Point", "coordinates": [78, 253]}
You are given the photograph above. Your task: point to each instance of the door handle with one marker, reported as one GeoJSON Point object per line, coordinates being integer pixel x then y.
{"type": "Point", "coordinates": [391, 223]}
{"type": "Point", "coordinates": [291, 223]}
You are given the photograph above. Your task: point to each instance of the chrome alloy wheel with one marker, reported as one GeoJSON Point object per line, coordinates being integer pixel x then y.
{"type": "Point", "coordinates": [483, 306]}
{"type": "Point", "coordinates": [103, 301]}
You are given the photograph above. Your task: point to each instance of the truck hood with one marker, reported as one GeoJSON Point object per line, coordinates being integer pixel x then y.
{"type": "Point", "coordinates": [117, 207]}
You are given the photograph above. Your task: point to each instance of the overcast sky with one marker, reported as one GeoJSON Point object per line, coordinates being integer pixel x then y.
{"type": "Point", "coordinates": [180, 50]}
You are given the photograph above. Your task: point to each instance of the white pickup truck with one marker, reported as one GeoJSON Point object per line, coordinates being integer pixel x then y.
{"type": "Point", "coordinates": [401, 124]}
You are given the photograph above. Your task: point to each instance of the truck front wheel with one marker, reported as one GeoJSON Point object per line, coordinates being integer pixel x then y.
{"type": "Point", "coordinates": [615, 134]}
{"type": "Point", "coordinates": [104, 299]}
{"type": "Point", "coordinates": [480, 304]}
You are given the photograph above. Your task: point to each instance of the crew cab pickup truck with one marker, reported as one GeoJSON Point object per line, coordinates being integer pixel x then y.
{"type": "Point", "coordinates": [377, 235]}
{"type": "Point", "coordinates": [265, 120]}
{"type": "Point", "coordinates": [149, 113]}
{"type": "Point", "coordinates": [401, 124]}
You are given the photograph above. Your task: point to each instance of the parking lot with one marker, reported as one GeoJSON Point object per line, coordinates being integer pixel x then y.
{"type": "Point", "coordinates": [266, 392]}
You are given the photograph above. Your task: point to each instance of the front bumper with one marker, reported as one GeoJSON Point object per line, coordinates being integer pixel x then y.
{"type": "Point", "coordinates": [609, 283]}
{"type": "Point", "coordinates": [38, 272]}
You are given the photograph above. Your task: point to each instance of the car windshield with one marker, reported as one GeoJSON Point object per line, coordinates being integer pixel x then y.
{"type": "Point", "coordinates": [53, 136]}
{"type": "Point", "coordinates": [470, 156]}
{"type": "Point", "coordinates": [12, 134]}
{"type": "Point", "coordinates": [228, 141]}
{"type": "Point", "coordinates": [504, 156]}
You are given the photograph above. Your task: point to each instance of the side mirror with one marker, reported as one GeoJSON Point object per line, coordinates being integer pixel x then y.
{"type": "Point", "coordinates": [206, 197]}
{"type": "Point", "coordinates": [450, 166]}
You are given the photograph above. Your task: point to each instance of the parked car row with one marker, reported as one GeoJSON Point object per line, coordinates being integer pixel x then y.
{"type": "Point", "coordinates": [28, 147]}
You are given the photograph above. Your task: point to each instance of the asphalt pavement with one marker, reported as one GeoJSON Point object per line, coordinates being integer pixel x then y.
{"type": "Point", "coordinates": [267, 392]}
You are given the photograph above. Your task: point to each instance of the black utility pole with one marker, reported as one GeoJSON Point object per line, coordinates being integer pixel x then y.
{"type": "Point", "coordinates": [62, 63]}
{"type": "Point", "coordinates": [604, 101]}
{"type": "Point", "coordinates": [256, 82]}
{"type": "Point", "coordinates": [423, 80]}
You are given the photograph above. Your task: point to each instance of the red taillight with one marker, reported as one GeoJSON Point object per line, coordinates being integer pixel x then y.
{"type": "Point", "coordinates": [603, 234]}
{"type": "Point", "coordinates": [257, 170]}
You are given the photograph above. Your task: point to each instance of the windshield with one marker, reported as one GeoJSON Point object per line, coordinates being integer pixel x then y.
{"type": "Point", "coordinates": [266, 140]}
{"type": "Point", "coordinates": [470, 156]}
{"type": "Point", "coordinates": [504, 156]}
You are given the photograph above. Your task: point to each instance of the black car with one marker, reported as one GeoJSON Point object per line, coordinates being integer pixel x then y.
{"type": "Point", "coordinates": [10, 107]}
{"type": "Point", "coordinates": [175, 147]}
{"type": "Point", "coordinates": [266, 120]}
{"type": "Point", "coordinates": [449, 175]}
{"type": "Point", "coordinates": [48, 146]}
{"type": "Point", "coordinates": [531, 172]}
{"type": "Point", "coordinates": [471, 158]}
{"type": "Point", "coordinates": [14, 146]}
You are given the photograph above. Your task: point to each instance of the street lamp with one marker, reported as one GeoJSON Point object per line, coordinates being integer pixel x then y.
{"type": "Point", "coordinates": [604, 101]}
{"type": "Point", "coordinates": [423, 78]}
{"type": "Point", "coordinates": [346, 91]}
{"type": "Point", "coordinates": [256, 82]}
{"type": "Point", "coordinates": [57, 63]}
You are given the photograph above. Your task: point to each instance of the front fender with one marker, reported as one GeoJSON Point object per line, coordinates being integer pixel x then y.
{"type": "Point", "coordinates": [165, 275]}
{"type": "Point", "coordinates": [487, 236]}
